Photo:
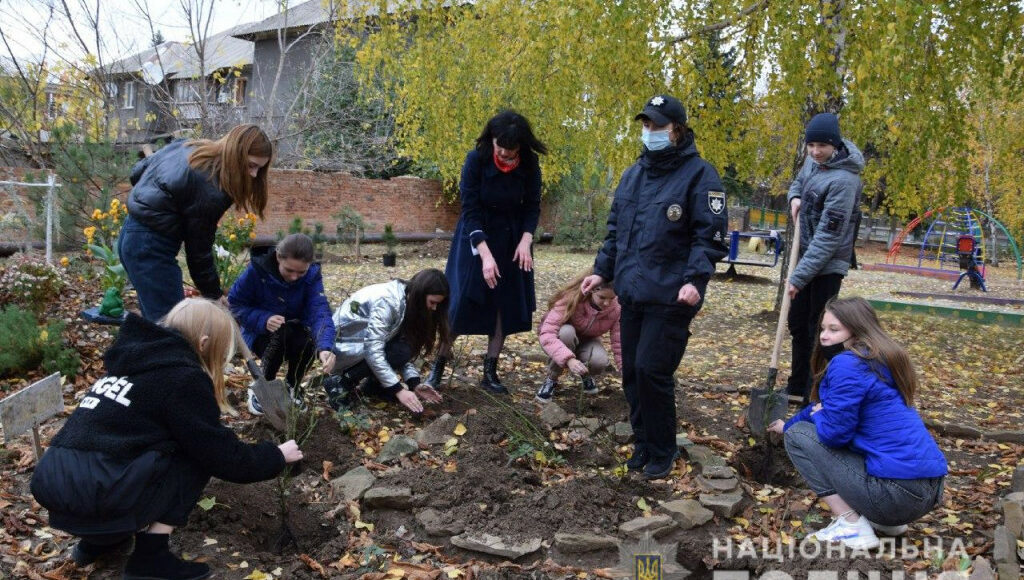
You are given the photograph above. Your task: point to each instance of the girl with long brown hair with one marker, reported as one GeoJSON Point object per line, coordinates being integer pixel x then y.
{"type": "Point", "coordinates": [381, 329]}
{"type": "Point", "coordinates": [571, 330]}
{"type": "Point", "coordinates": [178, 196]}
{"type": "Point", "coordinates": [146, 438]}
{"type": "Point", "coordinates": [861, 446]}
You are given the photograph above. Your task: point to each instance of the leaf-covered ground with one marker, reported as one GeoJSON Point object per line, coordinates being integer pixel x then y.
{"type": "Point", "coordinates": [502, 471]}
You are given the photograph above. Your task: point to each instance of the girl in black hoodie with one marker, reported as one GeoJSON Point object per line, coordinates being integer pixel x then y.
{"type": "Point", "coordinates": [136, 454]}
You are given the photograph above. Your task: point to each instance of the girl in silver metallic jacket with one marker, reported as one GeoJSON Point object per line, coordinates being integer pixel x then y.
{"type": "Point", "coordinates": [381, 329]}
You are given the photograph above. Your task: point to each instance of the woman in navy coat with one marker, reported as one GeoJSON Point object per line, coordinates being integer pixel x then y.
{"type": "Point", "coordinates": [490, 263]}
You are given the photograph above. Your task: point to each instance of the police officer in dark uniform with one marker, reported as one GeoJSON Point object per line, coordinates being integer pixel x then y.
{"type": "Point", "coordinates": [666, 231]}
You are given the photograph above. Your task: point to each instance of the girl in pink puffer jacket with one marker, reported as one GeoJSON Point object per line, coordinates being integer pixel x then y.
{"type": "Point", "coordinates": [570, 333]}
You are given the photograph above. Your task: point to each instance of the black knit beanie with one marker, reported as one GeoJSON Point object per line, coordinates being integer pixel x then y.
{"type": "Point", "coordinates": [824, 128]}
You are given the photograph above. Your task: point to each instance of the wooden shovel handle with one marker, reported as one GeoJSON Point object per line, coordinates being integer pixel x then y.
{"type": "Point", "coordinates": [250, 361]}
{"type": "Point", "coordinates": [780, 329]}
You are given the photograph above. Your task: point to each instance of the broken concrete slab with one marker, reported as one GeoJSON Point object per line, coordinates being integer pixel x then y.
{"type": "Point", "coordinates": [495, 545]}
{"type": "Point", "coordinates": [704, 456]}
{"type": "Point", "coordinates": [397, 446]}
{"type": "Point", "coordinates": [589, 425]}
{"type": "Point", "coordinates": [725, 505]}
{"type": "Point", "coordinates": [353, 483]}
{"type": "Point", "coordinates": [687, 513]}
{"type": "Point", "coordinates": [397, 498]}
{"type": "Point", "coordinates": [981, 570]}
{"type": "Point", "coordinates": [438, 432]}
{"type": "Point", "coordinates": [1017, 481]}
{"type": "Point", "coordinates": [622, 432]}
{"type": "Point", "coordinates": [584, 542]}
{"type": "Point", "coordinates": [437, 524]}
{"type": "Point", "coordinates": [655, 525]}
{"type": "Point", "coordinates": [1013, 514]}
{"type": "Point", "coordinates": [717, 485]}
{"type": "Point", "coordinates": [554, 416]}
{"type": "Point", "coordinates": [1004, 547]}
{"type": "Point", "coordinates": [682, 441]}
{"type": "Point", "coordinates": [1008, 570]}
{"type": "Point", "coordinates": [718, 472]}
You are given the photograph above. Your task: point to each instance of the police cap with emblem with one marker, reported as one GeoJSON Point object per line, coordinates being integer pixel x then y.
{"type": "Point", "coordinates": [662, 110]}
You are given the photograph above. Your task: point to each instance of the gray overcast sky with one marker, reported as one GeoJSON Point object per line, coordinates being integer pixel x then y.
{"type": "Point", "coordinates": [124, 29]}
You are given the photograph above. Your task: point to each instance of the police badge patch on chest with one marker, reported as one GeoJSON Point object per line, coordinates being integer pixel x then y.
{"type": "Point", "coordinates": [674, 212]}
{"type": "Point", "coordinates": [716, 201]}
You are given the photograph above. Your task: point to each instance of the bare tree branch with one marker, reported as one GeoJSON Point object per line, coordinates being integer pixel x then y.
{"type": "Point", "coordinates": [721, 24]}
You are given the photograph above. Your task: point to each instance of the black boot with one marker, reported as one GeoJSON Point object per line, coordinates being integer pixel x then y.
{"type": "Point", "coordinates": [639, 459]}
{"type": "Point", "coordinates": [436, 372]}
{"type": "Point", "coordinates": [88, 550]}
{"type": "Point", "coordinates": [490, 381]}
{"type": "Point", "coordinates": [339, 389]}
{"type": "Point", "coordinates": [153, 560]}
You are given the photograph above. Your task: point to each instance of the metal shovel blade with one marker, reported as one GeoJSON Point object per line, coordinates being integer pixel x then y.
{"type": "Point", "coordinates": [766, 405]}
{"type": "Point", "coordinates": [273, 395]}
{"type": "Point", "coordinates": [274, 399]}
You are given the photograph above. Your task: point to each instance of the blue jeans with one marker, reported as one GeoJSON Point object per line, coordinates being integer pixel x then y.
{"type": "Point", "coordinates": [151, 262]}
{"type": "Point", "coordinates": [832, 470]}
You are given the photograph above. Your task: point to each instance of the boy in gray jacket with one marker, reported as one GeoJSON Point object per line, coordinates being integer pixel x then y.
{"type": "Point", "coordinates": [825, 197]}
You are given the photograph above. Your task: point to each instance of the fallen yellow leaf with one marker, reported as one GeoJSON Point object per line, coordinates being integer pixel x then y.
{"type": "Point", "coordinates": [460, 430]}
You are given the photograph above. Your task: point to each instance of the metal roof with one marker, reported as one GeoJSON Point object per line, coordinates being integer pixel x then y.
{"type": "Point", "coordinates": [181, 60]}
{"type": "Point", "coordinates": [310, 14]}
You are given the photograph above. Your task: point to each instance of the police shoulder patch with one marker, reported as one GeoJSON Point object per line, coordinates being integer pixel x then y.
{"type": "Point", "coordinates": [716, 201]}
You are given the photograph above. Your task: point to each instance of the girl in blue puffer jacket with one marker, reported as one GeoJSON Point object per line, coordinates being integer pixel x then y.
{"type": "Point", "coordinates": [280, 304]}
{"type": "Point", "coordinates": [861, 446]}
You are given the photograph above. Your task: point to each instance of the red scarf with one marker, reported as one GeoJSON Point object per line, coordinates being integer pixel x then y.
{"type": "Point", "coordinates": [505, 167]}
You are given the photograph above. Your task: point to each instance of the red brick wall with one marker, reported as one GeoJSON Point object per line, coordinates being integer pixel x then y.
{"type": "Point", "coordinates": [410, 204]}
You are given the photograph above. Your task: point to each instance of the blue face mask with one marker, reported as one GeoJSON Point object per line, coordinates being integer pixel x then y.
{"type": "Point", "coordinates": [655, 140]}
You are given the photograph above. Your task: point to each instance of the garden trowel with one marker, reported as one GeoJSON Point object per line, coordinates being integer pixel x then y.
{"type": "Point", "coordinates": [273, 395]}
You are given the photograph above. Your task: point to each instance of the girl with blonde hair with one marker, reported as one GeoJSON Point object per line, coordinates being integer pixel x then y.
{"type": "Point", "coordinates": [136, 454]}
{"type": "Point", "coordinates": [178, 196]}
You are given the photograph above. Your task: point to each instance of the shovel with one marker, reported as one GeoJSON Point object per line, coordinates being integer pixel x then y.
{"type": "Point", "coordinates": [273, 395]}
{"type": "Point", "coordinates": [768, 404]}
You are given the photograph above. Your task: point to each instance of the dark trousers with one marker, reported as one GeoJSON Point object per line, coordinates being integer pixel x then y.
{"type": "Point", "coordinates": [171, 499]}
{"type": "Point", "coordinates": [804, 325]}
{"type": "Point", "coordinates": [398, 353]}
{"type": "Point", "coordinates": [653, 342]}
{"type": "Point", "coordinates": [292, 342]}
{"type": "Point", "coordinates": [151, 262]}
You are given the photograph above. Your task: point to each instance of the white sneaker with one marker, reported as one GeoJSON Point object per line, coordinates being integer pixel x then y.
{"type": "Point", "coordinates": [857, 535]}
{"type": "Point", "coordinates": [254, 404]}
{"type": "Point", "coordinates": [889, 530]}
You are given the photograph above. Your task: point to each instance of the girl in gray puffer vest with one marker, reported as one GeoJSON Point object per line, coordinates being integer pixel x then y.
{"type": "Point", "coordinates": [825, 197]}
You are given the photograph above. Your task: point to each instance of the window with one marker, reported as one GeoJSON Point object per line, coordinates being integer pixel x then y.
{"type": "Point", "coordinates": [239, 96]}
{"type": "Point", "coordinates": [128, 95]}
{"type": "Point", "coordinates": [232, 92]}
{"type": "Point", "coordinates": [224, 93]}
{"type": "Point", "coordinates": [51, 106]}
{"type": "Point", "coordinates": [112, 90]}
{"type": "Point", "coordinates": [186, 91]}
